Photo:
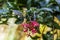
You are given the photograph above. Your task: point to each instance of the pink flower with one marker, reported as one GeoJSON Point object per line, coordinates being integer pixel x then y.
{"type": "Point", "coordinates": [35, 24]}
{"type": "Point", "coordinates": [31, 26]}
{"type": "Point", "coordinates": [25, 25]}
{"type": "Point", "coordinates": [25, 30]}
{"type": "Point", "coordinates": [34, 31]}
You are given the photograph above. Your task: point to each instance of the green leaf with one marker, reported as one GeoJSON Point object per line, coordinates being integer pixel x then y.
{"type": "Point", "coordinates": [48, 36]}
{"type": "Point", "coordinates": [56, 26]}
{"type": "Point", "coordinates": [28, 4]}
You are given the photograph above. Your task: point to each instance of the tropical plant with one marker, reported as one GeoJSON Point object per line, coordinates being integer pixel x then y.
{"type": "Point", "coordinates": [34, 11]}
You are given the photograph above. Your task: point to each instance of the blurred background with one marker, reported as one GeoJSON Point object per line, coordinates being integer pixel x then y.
{"type": "Point", "coordinates": [18, 19]}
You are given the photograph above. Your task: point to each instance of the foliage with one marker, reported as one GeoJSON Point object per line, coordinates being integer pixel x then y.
{"type": "Point", "coordinates": [42, 11]}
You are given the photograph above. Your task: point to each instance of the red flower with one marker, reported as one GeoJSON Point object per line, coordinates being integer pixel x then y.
{"type": "Point", "coordinates": [25, 25]}
{"type": "Point", "coordinates": [34, 31]}
{"type": "Point", "coordinates": [25, 30]}
{"type": "Point", "coordinates": [31, 26]}
{"type": "Point", "coordinates": [34, 23]}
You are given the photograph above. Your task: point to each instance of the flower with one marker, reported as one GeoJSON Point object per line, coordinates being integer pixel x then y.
{"type": "Point", "coordinates": [25, 25]}
{"type": "Point", "coordinates": [34, 31]}
{"type": "Point", "coordinates": [30, 26]}
{"type": "Point", "coordinates": [25, 30]}
{"type": "Point", "coordinates": [34, 23]}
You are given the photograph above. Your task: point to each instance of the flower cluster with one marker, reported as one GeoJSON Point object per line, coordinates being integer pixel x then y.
{"type": "Point", "coordinates": [31, 26]}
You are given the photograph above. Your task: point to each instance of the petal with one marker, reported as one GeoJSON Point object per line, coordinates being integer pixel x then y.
{"type": "Point", "coordinates": [25, 30]}
{"type": "Point", "coordinates": [34, 23]}
{"type": "Point", "coordinates": [34, 31]}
